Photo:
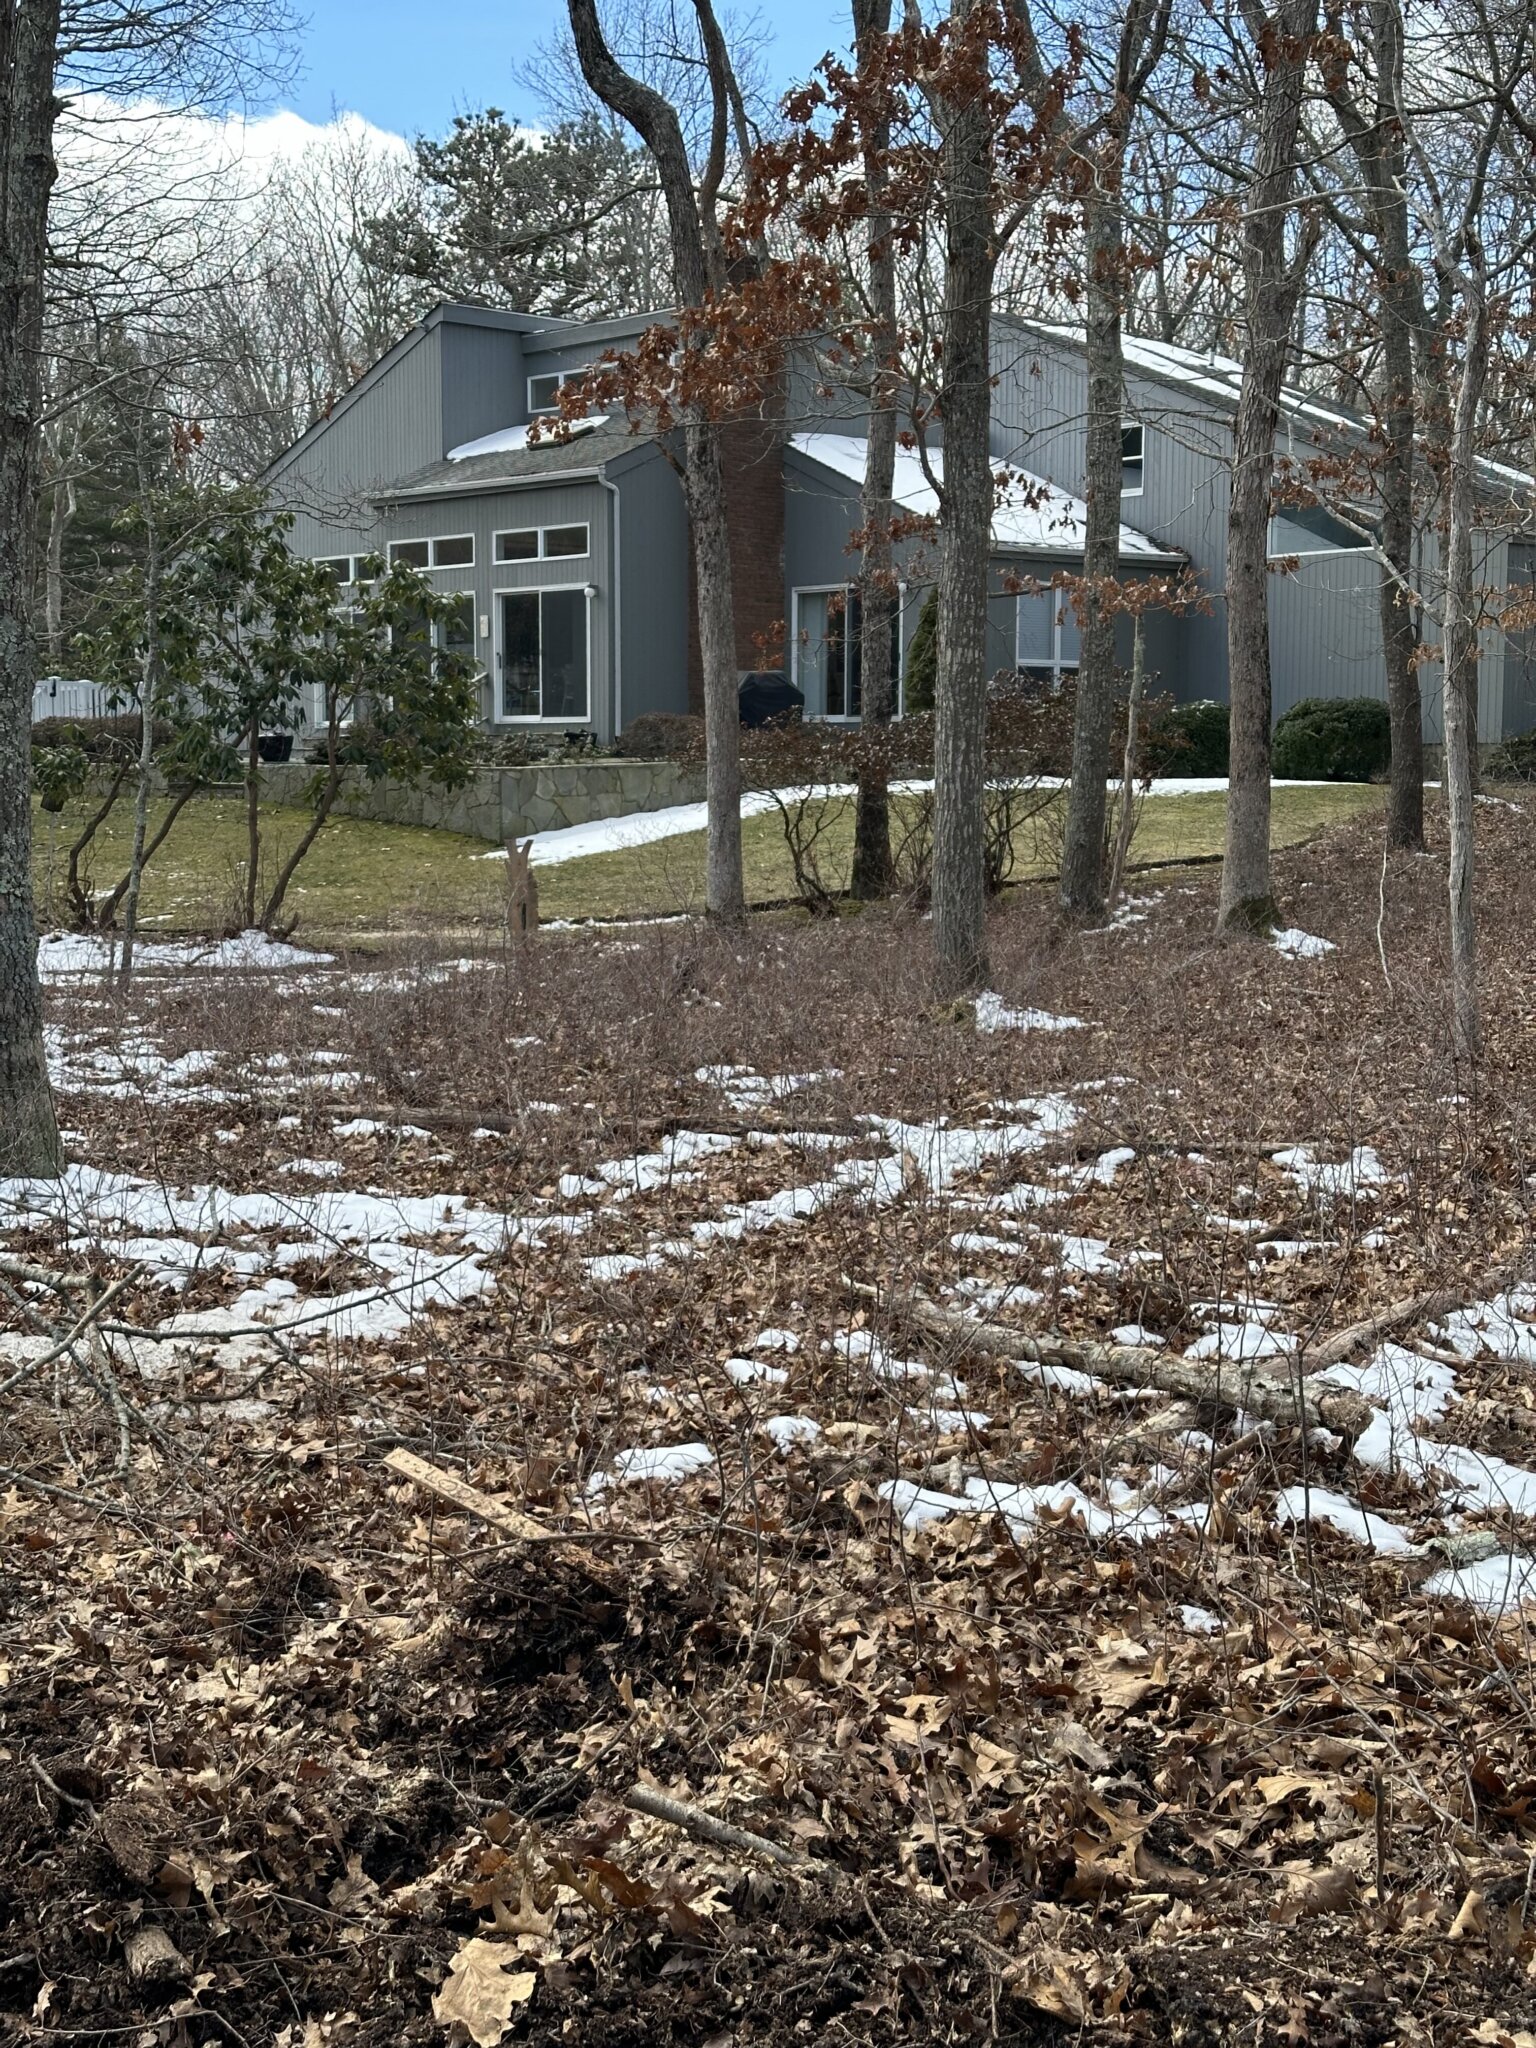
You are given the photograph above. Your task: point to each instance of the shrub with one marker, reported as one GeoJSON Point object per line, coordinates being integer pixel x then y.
{"type": "Point", "coordinates": [98, 739]}
{"type": "Point", "coordinates": [1333, 739]}
{"type": "Point", "coordinates": [1189, 739]}
{"type": "Point", "coordinates": [660, 736]}
{"type": "Point", "coordinates": [922, 677]}
{"type": "Point", "coordinates": [1514, 760]}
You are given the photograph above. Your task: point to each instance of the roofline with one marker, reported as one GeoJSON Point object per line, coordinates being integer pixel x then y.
{"type": "Point", "coordinates": [1154, 556]}
{"type": "Point", "coordinates": [449, 313]}
{"type": "Point", "coordinates": [481, 486]}
{"type": "Point", "coordinates": [1494, 476]}
{"type": "Point", "coordinates": [569, 333]}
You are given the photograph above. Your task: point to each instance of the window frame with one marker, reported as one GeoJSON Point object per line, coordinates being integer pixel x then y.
{"type": "Point", "coordinates": [555, 526]}
{"type": "Point", "coordinates": [848, 592]}
{"type": "Point", "coordinates": [432, 542]}
{"type": "Point", "coordinates": [498, 634]}
{"type": "Point", "coordinates": [325, 561]}
{"type": "Point", "coordinates": [561, 379]}
{"type": "Point", "coordinates": [1032, 665]}
{"type": "Point", "coordinates": [1139, 429]}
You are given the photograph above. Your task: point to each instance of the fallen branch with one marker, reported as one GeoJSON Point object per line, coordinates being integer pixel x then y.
{"type": "Point", "coordinates": [1397, 1315]}
{"type": "Point", "coordinates": [682, 1814]}
{"type": "Point", "coordinates": [1229, 1383]}
{"type": "Point", "coordinates": [469, 1500]}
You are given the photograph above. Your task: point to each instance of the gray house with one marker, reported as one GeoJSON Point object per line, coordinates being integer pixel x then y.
{"type": "Point", "coordinates": [571, 558]}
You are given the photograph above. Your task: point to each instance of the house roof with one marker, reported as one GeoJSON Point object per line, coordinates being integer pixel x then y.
{"type": "Point", "coordinates": [1219, 378]}
{"type": "Point", "coordinates": [506, 458]}
{"type": "Point", "coordinates": [1033, 517]}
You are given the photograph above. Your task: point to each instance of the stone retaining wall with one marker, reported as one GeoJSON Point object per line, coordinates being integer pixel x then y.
{"type": "Point", "coordinates": [498, 804]}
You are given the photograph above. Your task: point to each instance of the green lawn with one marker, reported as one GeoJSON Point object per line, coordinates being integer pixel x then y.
{"type": "Point", "coordinates": [365, 877]}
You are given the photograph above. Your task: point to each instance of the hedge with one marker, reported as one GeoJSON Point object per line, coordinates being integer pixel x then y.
{"type": "Point", "coordinates": [1333, 739]}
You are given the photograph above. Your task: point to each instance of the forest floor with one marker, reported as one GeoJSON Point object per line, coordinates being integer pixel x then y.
{"type": "Point", "coordinates": [1071, 1706]}
{"type": "Point", "coordinates": [363, 876]}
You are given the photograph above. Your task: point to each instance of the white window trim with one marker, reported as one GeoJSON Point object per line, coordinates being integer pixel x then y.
{"type": "Point", "coordinates": [434, 541]}
{"type": "Point", "coordinates": [847, 590]}
{"type": "Point", "coordinates": [350, 560]}
{"type": "Point", "coordinates": [564, 377]}
{"type": "Point", "coordinates": [1054, 662]}
{"type": "Point", "coordinates": [555, 526]}
{"type": "Point", "coordinates": [1137, 490]}
{"type": "Point", "coordinates": [498, 716]}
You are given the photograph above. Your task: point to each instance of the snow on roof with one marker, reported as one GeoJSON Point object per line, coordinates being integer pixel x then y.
{"type": "Point", "coordinates": [1033, 517]}
{"type": "Point", "coordinates": [508, 440]}
{"type": "Point", "coordinates": [1221, 377]}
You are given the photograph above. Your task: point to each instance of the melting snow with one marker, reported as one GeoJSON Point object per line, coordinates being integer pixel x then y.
{"type": "Point", "coordinates": [993, 1014]}
{"type": "Point", "coordinates": [1298, 945]}
{"type": "Point", "coordinates": [1297, 1504]}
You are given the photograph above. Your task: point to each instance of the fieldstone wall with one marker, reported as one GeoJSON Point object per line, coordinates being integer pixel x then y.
{"type": "Point", "coordinates": [498, 804]}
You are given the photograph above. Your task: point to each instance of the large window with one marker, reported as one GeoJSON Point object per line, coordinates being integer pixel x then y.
{"type": "Point", "coordinates": [451, 551]}
{"type": "Point", "coordinates": [542, 660]}
{"type": "Point", "coordinates": [343, 569]}
{"type": "Point", "coordinates": [1047, 646]}
{"type": "Point", "coordinates": [829, 651]}
{"type": "Point", "coordinates": [544, 392]}
{"type": "Point", "coordinates": [1133, 458]}
{"type": "Point", "coordinates": [454, 632]}
{"type": "Point", "coordinates": [543, 544]}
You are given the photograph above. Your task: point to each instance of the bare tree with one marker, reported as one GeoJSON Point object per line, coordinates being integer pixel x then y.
{"type": "Point", "coordinates": [698, 263]}
{"type": "Point", "coordinates": [1274, 264]}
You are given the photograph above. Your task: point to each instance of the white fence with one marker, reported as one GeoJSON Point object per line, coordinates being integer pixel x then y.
{"type": "Point", "coordinates": [53, 697]}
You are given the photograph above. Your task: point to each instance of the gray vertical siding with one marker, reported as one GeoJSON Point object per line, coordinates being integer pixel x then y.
{"type": "Point", "coordinates": [484, 515]}
{"type": "Point", "coordinates": [484, 387]}
{"type": "Point", "coordinates": [388, 429]}
{"type": "Point", "coordinates": [653, 541]}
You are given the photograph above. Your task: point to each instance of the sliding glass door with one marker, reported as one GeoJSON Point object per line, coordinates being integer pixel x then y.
{"type": "Point", "coordinates": [542, 659]}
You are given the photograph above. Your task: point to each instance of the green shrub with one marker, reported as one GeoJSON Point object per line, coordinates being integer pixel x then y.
{"type": "Point", "coordinates": [1189, 739]}
{"type": "Point", "coordinates": [661, 736]}
{"type": "Point", "coordinates": [1333, 739]}
{"type": "Point", "coordinates": [922, 677]}
{"type": "Point", "coordinates": [1514, 760]}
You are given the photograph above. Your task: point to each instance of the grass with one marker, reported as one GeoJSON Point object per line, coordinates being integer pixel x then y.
{"type": "Point", "coordinates": [368, 877]}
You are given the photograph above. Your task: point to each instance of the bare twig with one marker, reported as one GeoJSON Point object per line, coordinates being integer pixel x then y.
{"type": "Point", "coordinates": [683, 1814]}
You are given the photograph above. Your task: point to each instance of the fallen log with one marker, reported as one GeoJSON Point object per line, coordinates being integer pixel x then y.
{"type": "Point", "coordinates": [1250, 1385]}
{"type": "Point", "coordinates": [1401, 1314]}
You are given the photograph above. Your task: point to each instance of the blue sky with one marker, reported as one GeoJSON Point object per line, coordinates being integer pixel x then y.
{"type": "Point", "coordinates": [410, 68]}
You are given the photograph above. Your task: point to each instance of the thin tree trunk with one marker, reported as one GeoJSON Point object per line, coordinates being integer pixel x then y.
{"type": "Point", "coordinates": [1271, 284]}
{"type": "Point", "coordinates": [965, 537]}
{"type": "Point", "coordinates": [29, 33]}
{"type": "Point", "coordinates": [1399, 625]}
{"type": "Point", "coordinates": [1082, 859]}
{"type": "Point", "coordinates": [61, 511]}
{"type": "Point", "coordinates": [162, 832]}
{"type": "Point", "coordinates": [252, 822]}
{"type": "Point", "coordinates": [148, 695]}
{"type": "Point", "coordinates": [1459, 649]}
{"type": "Point", "coordinates": [78, 900]}
{"type": "Point", "coordinates": [325, 804]}
{"type": "Point", "coordinates": [878, 601]}
{"type": "Point", "coordinates": [1126, 823]}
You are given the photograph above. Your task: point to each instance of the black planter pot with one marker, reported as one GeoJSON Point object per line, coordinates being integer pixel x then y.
{"type": "Point", "coordinates": [275, 746]}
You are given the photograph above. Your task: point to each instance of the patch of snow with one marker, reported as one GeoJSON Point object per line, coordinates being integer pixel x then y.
{"type": "Point", "coordinates": [775, 1340]}
{"type": "Point", "coordinates": [1299, 945]}
{"type": "Point", "coordinates": [1245, 1340]}
{"type": "Point", "coordinates": [993, 1014]}
{"type": "Point", "coordinates": [1136, 1336]}
{"type": "Point", "coordinates": [1199, 1620]}
{"type": "Point", "coordinates": [64, 953]}
{"type": "Point", "coordinates": [1298, 1504]}
{"type": "Point", "coordinates": [750, 1372]}
{"type": "Point", "coordinates": [1493, 1584]}
{"type": "Point", "coordinates": [660, 1463]}
{"type": "Point", "coordinates": [789, 1430]}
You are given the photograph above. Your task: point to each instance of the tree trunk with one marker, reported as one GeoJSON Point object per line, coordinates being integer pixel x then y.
{"type": "Point", "coordinates": [965, 536]}
{"type": "Point", "coordinates": [162, 832]}
{"type": "Point", "coordinates": [1459, 649]}
{"type": "Point", "coordinates": [148, 695]}
{"type": "Point", "coordinates": [878, 600]}
{"type": "Point", "coordinates": [698, 266]}
{"type": "Point", "coordinates": [324, 805]}
{"type": "Point", "coordinates": [1082, 859]}
{"type": "Point", "coordinates": [704, 490]}
{"type": "Point", "coordinates": [1127, 820]}
{"type": "Point", "coordinates": [1270, 288]}
{"type": "Point", "coordinates": [61, 511]}
{"type": "Point", "coordinates": [79, 902]}
{"type": "Point", "coordinates": [1399, 626]}
{"type": "Point", "coordinates": [252, 822]}
{"type": "Point", "coordinates": [29, 30]}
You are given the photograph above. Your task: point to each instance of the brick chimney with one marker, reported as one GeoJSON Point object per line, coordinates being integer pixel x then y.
{"type": "Point", "coordinates": [752, 466]}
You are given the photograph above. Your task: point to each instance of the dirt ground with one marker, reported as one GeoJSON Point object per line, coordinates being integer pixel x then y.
{"type": "Point", "coordinates": [1067, 1723]}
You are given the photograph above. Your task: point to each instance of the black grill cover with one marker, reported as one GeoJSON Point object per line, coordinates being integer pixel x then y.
{"type": "Point", "coordinates": [767, 695]}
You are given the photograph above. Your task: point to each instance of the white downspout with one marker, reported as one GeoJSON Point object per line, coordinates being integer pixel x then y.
{"type": "Point", "coordinates": [618, 602]}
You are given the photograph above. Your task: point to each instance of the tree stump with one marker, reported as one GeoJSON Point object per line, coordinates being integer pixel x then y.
{"type": "Point", "coordinates": [522, 891]}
